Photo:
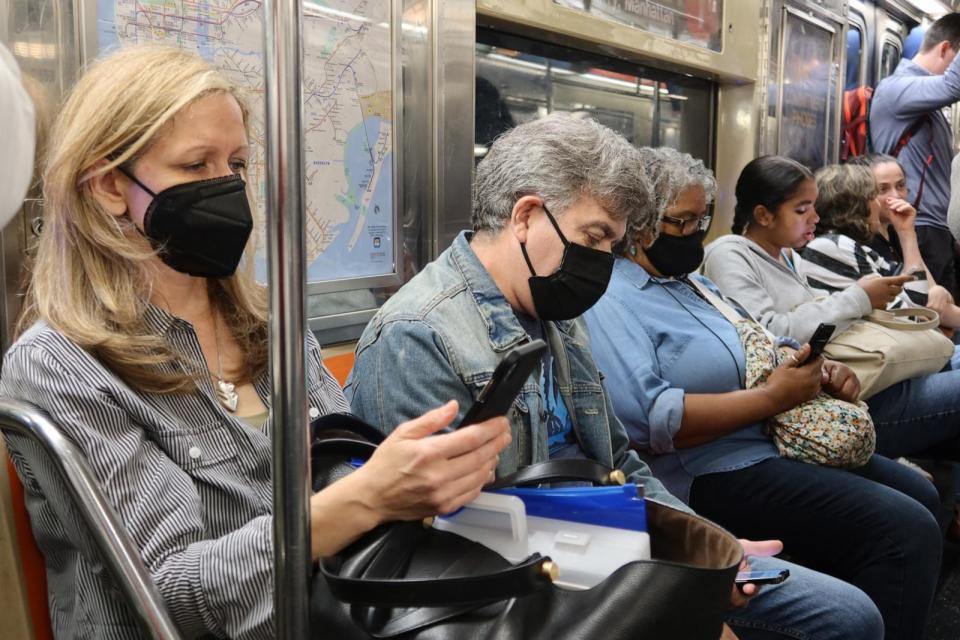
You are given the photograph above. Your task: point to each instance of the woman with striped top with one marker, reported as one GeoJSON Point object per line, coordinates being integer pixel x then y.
{"type": "Point", "coordinates": [776, 213]}
{"type": "Point", "coordinates": [851, 214]}
{"type": "Point", "coordinates": [144, 337]}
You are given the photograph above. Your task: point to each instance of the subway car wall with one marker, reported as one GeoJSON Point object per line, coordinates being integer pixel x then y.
{"type": "Point", "coordinates": [724, 84]}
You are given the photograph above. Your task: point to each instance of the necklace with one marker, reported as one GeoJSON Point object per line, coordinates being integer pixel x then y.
{"type": "Point", "coordinates": [226, 391]}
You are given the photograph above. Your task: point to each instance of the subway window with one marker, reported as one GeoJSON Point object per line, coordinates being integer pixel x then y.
{"type": "Point", "coordinates": [889, 59]}
{"type": "Point", "coordinates": [519, 79]}
{"type": "Point", "coordinates": [854, 77]}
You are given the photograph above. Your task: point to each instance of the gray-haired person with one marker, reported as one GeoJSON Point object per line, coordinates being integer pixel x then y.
{"type": "Point", "coordinates": [551, 198]}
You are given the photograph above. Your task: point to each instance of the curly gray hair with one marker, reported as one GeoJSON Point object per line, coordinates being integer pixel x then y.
{"type": "Point", "coordinates": [561, 159]}
{"type": "Point", "coordinates": [670, 173]}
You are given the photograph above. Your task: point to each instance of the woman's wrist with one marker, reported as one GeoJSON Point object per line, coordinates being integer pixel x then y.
{"type": "Point", "coordinates": [341, 513]}
{"type": "Point", "coordinates": [770, 401]}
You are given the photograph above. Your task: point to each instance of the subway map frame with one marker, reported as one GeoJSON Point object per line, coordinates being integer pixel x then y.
{"type": "Point", "coordinates": [350, 116]}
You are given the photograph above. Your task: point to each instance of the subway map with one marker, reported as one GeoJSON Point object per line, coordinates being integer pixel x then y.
{"type": "Point", "coordinates": [347, 117]}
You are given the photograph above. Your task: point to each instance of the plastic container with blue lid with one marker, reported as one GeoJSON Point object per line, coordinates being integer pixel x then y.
{"type": "Point", "coordinates": [589, 532]}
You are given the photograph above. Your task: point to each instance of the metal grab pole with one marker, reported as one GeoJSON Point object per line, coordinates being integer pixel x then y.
{"type": "Point", "coordinates": [286, 253]}
{"type": "Point", "coordinates": [116, 548]}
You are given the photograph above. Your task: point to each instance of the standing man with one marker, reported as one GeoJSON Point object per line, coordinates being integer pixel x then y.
{"type": "Point", "coordinates": [907, 104]}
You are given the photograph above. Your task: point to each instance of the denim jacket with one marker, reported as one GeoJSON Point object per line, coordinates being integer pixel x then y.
{"type": "Point", "coordinates": [442, 335]}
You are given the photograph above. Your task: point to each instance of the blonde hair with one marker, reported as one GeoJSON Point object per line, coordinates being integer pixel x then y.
{"type": "Point", "coordinates": [90, 278]}
{"type": "Point", "coordinates": [843, 200]}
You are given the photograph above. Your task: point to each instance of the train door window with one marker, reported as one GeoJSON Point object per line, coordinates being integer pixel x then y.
{"type": "Point", "coordinates": [890, 56]}
{"type": "Point", "coordinates": [853, 77]}
{"type": "Point", "coordinates": [519, 79]}
{"type": "Point", "coordinates": [806, 95]}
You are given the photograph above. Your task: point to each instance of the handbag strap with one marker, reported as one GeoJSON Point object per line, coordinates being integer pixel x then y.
{"type": "Point", "coordinates": [515, 581]}
{"type": "Point", "coordinates": [342, 447]}
{"type": "Point", "coordinates": [724, 308]}
{"type": "Point", "coordinates": [929, 319]}
{"type": "Point", "coordinates": [561, 469]}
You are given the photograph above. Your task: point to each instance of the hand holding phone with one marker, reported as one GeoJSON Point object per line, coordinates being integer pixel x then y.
{"type": "Point", "coordinates": [498, 394]}
{"type": "Point", "coordinates": [770, 576]}
{"type": "Point", "coordinates": [918, 274]}
{"type": "Point", "coordinates": [820, 339]}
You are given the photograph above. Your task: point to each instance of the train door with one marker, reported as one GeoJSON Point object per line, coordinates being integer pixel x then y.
{"type": "Point", "coordinates": [804, 83]}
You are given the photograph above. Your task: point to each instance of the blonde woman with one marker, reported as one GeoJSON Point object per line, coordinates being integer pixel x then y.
{"type": "Point", "coordinates": [144, 338]}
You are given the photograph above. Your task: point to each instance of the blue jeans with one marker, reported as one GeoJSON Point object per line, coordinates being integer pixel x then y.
{"type": "Point", "coordinates": [872, 527]}
{"type": "Point", "coordinates": [919, 414]}
{"type": "Point", "coordinates": [808, 606]}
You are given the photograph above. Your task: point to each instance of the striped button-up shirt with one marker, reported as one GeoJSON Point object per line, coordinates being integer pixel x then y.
{"type": "Point", "coordinates": [190, 482]}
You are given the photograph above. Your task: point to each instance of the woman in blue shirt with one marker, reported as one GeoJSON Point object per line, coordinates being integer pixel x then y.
{"type": "Point", "coordinates": [675, 371]}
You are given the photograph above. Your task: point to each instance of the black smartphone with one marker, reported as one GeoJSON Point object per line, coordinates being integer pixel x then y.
{"type": "Point", "coordinates": [771, 576]}
{"type": "Point", "coordinates": [497, 395]}
{"type": "Point", "coordinates": [918, 274]}
{"type": "Point", "coordinates": [820, 339]}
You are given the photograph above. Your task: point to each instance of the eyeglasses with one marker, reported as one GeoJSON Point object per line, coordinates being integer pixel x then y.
{"type": "Point", "coordinates": [689, 225]}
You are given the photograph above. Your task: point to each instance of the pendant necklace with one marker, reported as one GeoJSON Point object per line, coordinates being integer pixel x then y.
{"type": "Point", "coordinates": [226, 391]}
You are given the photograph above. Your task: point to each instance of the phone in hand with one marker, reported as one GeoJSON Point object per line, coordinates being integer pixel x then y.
{"type": "Point", "coordinates": [771, 576]}
{"type": "Point", "coordinates": [820, 339]}
{"type": "Point", "coordinates": [498, 394]}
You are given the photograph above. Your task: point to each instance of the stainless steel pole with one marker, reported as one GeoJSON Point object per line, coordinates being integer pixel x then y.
{"type": "Point", "coordinates": [286, 253]}
{"type": "Point", "coordinates": [117, 549]}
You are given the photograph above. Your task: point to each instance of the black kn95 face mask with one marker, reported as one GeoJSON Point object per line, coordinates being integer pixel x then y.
{"type": "Point", "coordinates": [199, 228]}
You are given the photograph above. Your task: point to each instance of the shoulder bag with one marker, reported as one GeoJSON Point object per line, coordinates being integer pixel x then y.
{"type": "Point", "coordinates": [887, 347]}
{"type": "Point", "coordinates": [408, 580]}
{"type": "Point", "coordinates": [824, 430]}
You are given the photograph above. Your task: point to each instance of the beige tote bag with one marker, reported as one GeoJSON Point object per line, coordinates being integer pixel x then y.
{"type": "Point", "coordinates": [887, 347]}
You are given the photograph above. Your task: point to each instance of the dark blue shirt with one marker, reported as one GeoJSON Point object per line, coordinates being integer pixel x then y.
{"type": "Point", "coordinates": [561, 437]}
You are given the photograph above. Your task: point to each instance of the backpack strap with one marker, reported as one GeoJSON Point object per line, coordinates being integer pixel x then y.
{"type": "Point", "coordinates": [902, 142]}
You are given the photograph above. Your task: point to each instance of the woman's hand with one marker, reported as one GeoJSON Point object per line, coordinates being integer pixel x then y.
{"type": "Point", "coordinates": [413, 474]}
{"type": "Point", "coordinates": [902, 215]}
{"type": "Point", "coordinates": [882, 291]}
{"type": "Point", "coordinates": [840, 381]}
{"type": "Point", "coordinates": [939, 299]}
{"type": "Point", "coordinates": [795, 381]}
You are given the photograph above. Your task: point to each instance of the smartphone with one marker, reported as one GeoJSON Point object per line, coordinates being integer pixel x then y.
{"type": "Point", "coordinates": [820, 339]}
{"type": "Point", "coordinates": [498, 394]}
{"type": "Point", "coordinates": [918, 274]}
{"type": "Point", "coordinates": [772, 576]}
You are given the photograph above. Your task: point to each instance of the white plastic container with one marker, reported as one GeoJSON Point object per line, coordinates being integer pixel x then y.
{"type": "Point", "coordinates": [585, 553]}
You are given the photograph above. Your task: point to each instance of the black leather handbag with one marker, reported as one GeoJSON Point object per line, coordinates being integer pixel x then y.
{"type": "Point", "coordinates": [409, 580]}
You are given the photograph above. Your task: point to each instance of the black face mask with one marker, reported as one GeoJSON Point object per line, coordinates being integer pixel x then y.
{"type": "Point", "coordinates": [676, 255]}
{"type": "Point", "coordinates": [576, 286]}
{"type": "Point", "coordinates": [200, 228]}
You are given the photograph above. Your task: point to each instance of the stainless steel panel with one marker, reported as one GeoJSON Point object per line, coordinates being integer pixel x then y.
{"type": "Point", "coordinates": [453, 112]}
{"type": "Point", "coordinates": [41, 35]}
{"type": "Point", "coordinates": [736, 140]}
{"type": "Point", "coordinates": [545, 20]}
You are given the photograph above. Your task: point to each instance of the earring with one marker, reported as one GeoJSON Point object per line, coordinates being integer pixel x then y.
{"type": "Point", "coordinates": [633, 250]}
